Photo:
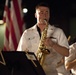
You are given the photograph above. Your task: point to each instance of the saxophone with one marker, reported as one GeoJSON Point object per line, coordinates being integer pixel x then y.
{"type": "Point", "coordinates": [42, 49]}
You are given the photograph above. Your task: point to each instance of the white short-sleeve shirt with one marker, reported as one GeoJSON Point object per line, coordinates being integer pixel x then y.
{"type": "Point", "coordinates": [30, 42]}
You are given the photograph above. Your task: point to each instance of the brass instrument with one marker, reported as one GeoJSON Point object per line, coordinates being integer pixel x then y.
{"type": "Point", "coordinates": [42, 49]}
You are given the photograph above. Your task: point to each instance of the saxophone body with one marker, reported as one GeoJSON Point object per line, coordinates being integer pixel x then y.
{"type": "Point", "coordinates": [42, 49]}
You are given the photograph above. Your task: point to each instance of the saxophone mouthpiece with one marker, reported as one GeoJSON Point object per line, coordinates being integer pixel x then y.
{"type": "Point", "coordinates": [45, 20]}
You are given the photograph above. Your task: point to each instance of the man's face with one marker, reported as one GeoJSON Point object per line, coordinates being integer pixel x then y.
{"type": "Point", "coordinates": [42, 13]}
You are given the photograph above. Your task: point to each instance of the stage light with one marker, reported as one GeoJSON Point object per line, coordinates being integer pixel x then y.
{"type": "Point", "coordinates": [25, 10]}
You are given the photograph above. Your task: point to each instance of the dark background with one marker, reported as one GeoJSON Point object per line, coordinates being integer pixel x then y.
{"type": "Point", "coordinates": [63, 14]}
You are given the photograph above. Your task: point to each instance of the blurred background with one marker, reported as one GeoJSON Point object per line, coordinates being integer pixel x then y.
{"type": "Point", "coordinates": [63, 15]}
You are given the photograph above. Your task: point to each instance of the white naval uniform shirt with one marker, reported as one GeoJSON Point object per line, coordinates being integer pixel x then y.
{"type": "Point", "coordinates": [30, 42]}
{"type": "Point", "coordinates": [71, 57]}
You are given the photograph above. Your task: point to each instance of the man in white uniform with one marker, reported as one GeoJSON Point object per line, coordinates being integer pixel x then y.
{"type": "Point", "coordinates": [56, 42]}
{"type": "Point", "coordinates": [70, 61]}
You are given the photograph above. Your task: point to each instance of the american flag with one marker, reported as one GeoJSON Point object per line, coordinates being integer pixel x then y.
{"type": "Point", "coordinates": [13, 17]}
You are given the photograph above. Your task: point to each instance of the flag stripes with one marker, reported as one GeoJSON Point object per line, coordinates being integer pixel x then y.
{"type": "Point", "coordinates": [6, 19]}
{"type": "Point", "coordinates": [16, 23]}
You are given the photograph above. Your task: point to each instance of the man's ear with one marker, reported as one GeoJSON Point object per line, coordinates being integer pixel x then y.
{"type": "Point", "coordinates": [35, 15]}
